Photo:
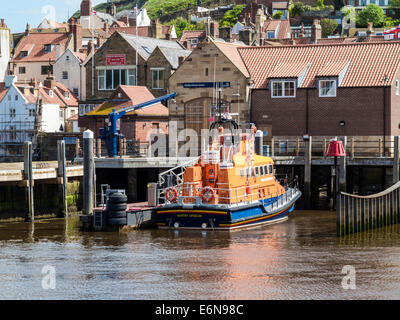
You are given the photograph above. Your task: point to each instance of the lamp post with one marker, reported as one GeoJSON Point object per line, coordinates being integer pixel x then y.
{"type": "Point", "coordinates": [335, 149]}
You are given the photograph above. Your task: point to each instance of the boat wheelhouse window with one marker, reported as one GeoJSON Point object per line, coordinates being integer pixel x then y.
{"type": "Point", "coordinates": [266, 169]}
{"type": "Point", "coordinates": [256, 169]}
{"type": "Point", "coordinates": [247, 172]}
{"type": "Point", "coordinates": [252, 172]}
{"type": "Point", "coordinates": [270, 169]}
{"type": "Point", "coordinates": [261, 171]}
{"type": "Point", "coordinates": [242, 173]}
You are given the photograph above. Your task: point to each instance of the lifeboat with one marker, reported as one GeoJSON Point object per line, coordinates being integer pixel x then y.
{"type": "Point", "coordinates": [229, 187]}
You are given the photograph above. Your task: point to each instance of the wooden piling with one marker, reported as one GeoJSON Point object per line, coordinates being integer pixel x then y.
{"type": "Point", "coordinates": [307, 170]}
{"type": "Point", "coordinates": [29, 183]}
{"type": "Point", "coordinates": [62, 177]}
{"type": "Point", "coordinates": [342, 168]}
{"type": "Point", "coordinates": [88, 172]}
{"type": "Point", "coordinates": [396, 160]}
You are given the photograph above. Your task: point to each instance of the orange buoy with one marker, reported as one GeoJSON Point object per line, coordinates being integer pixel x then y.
{"type": "Point", "coordinates": [171, 194]}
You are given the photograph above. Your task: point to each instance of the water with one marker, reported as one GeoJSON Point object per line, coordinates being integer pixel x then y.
{"type": "Point", "coordinates": [298, 259]}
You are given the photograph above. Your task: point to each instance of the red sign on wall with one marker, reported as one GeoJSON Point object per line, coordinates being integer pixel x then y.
{"type": "Point", "coordinates": [116, 59]}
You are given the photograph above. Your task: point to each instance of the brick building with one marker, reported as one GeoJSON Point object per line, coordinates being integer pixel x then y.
{"type": "Point", "coordinates": [212, 63]}
{"type": "Point", "coordinates": [326, 90]}
{"type": "Point", "coordinates": [135, 125]}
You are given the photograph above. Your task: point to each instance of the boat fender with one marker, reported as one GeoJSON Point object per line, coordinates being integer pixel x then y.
{"type": "Point", "coordinates": [248, 190]}
{"type": "Point", "coordinates": [171, 194]}
{"type": "Point", "coordinates": [207, 194]}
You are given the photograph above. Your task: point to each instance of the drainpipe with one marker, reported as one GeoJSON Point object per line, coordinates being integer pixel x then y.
{"type": "Point", "coordinates": [384, 121]}
{"type": "Point", "coordinates": [307, 106]}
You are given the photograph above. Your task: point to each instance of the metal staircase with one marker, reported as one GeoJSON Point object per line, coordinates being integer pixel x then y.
{"type": "Point", "coordinates": [177, 172]}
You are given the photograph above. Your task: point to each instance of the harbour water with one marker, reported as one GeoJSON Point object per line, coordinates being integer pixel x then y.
{"type": "Point", "coordinates": [298, 259]}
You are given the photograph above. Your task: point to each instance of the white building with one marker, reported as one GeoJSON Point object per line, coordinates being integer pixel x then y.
{"type": "Point", "coordinates": [21, 103]}
{"type": "Point", "coordinates": [69, 70]}
{"type": "Point", "coordinates": [4, 49]}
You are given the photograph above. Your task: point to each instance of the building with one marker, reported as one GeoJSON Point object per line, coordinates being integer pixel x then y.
{"type": "Point", "coordinates": [69, 70]}
{"type": "Point", "coordinates": [37, 51]}
{"type": "Point", "coordinates": [115, 63]}
{"type": "Point", "coordinates": [135, 125]}
{"type": "Point", "coordinates": [5, 50]}
{"type": "Point", "coordinates": [129, 17]}
{"type": "Point", "coordinates": [326, 90]}
{"type": "Point", "coordinates": [28, 108]}
{"type": "Point", "coordinates": [361, 4]}
{"type": "Point", "coordinates": [213, 63]}
{"type": "Point", "coordinates": [90, 19]}
{"type": "Point", "coordinates": [191, 38]}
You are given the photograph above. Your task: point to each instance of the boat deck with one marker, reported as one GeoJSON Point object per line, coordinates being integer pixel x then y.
{"type": "Point", "coordinates": [131, 207]}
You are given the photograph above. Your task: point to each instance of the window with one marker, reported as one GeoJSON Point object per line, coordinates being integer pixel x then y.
{"type": "Point", "coordinates": [257, 173]}
{"type": "Point", "coordinates": [283, 147]}
{"type": "Point", "coordinates": [72, 112]}
{"type": "Point", "coordinates": [12, 113]}
{"type": "Point", "coordinates": [13, 133]}
{"type": "Point", "coordinates": [61, 114]}
{"type": "Point", "coordinates": [241, 173]}
{"type": "Point", "coordinates": [397, 87]}
{"type": "Point", "coordinates": [16, 98]}
{"type": "Point", "coordinates": [65, 75]}
{"type": "Point", "coordinates": [47, 69]}
{"type": "Point", "coordinates": [48, 48]}
{"type": "Point", "coordinates": [261, 170]}
{"type": "Point", "coordinates": [270, 168]}
{"type": "Point", "coordinates": [206, 72]}
{"type": "Point", "coordinates": [271, 35]}
{"type": "Point", "coordinates": [155, 126]}
{"type": "Point", "coordinates": [146, 49]}
{"type": "Point", "coordinates": [265, 169]}
{"type": "Point", "coordinates": [247, 172]}
{"type": "Point", "coordinates": [32, 112]}
{"type": "Point", "coordinates": [283, 89]}
{"type": "Point", "coordinates": [81, 109]}
{"type": "Point", "coordinates": [75, 91]}
{"type": "Point", "coordinates": [24, 54]}
{"type": "Point", "coordinates": [327, 88]}
{"type": "Point", "coordinates": [194, 41]}
{"type": "Point", "coordinates": [66, 95]}
{"type": "Point", "coordinates": [51, 93]}
{"type": "Point", "coordinates": [22, 70]}
{"type": "Point", "coordinates": [110, 79]}
{"type": "Point", "coordinates": [67, 58]}
{"type": "Point", "coordinates": [158, 78]}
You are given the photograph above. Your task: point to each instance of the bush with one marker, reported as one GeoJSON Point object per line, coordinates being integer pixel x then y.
{"type": "Point", "coordinates": [277, 15]}
{"type": "Point", "coordinates": [231, 16]}
{"type": "Point", "coordinates": [371, 13]}
{"type": "Point", "coordinates": [328, 27]}
{"type": "Point", "coordinates": [297, 9]}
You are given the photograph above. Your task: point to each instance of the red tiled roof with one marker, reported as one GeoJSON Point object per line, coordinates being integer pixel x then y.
{"type": "Point", "coordinates": [191, 34]}
{"type": "Point", "coordinates": [369, 64]}
{"type": "Point", "coordinates": [284, 30]}
{"type": "Point", "coordinates": [230, 50]}
{"type": "Point", "coordinates": [142, 31]}
{"type": "Point", "coordinates": [132, 95]}
{"type": "Point", "coordinates": [38, 41]}
{"type": "Point", "coordinates": [75, 117]}
{"type": "Point", "coordinates": [81, 55]}
{"type": "Point", "coordinates": [288, 70]}
{"type": "Point", "coordinates": [3, 91]}
{"type": "Point", "coordinates": [120, 24]}
{"type": "Point", "coordinates": [332, 69]}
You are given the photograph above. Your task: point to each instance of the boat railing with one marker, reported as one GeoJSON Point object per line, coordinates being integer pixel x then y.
{"type": "Point", "coordinates": [239, 196]}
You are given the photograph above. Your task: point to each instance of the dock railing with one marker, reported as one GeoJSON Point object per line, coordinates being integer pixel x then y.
{"type": "Point", "coordinates": [360, 213]}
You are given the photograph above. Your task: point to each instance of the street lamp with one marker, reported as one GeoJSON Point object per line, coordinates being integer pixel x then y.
{"type": "Point", "coordinates": [335, 149]}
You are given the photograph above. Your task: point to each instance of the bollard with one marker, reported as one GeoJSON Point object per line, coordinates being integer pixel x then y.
{"type": "Point", "coordinates": [307, 170]}
{"type": "Point", "coordinates": [258, 142]}
{"type": "Point", "coordinates": [88, 172]}
{"type": "Point", "coordinates": [28, 177]}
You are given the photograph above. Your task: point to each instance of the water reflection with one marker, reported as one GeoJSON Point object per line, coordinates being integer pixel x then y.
{"type": "Point", "coordinates": [299, 259]}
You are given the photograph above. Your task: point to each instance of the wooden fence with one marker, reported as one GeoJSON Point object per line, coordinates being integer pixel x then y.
{"type": "Point", "coordinates": [360, 213]}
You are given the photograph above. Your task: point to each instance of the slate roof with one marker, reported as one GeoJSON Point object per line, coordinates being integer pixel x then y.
{"type": "Point", "coordinates": [172, 55]}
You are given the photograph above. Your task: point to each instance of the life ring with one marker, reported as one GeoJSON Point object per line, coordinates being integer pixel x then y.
{"type": "Point", "coordinates": [207, 194]}
{"type": "Point", "coordinates": [248, 189]}
{"type": "Point", "coordinates": [171, 194]}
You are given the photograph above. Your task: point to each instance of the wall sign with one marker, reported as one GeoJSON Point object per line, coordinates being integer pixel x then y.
{"type": "Point", "coordinates": [116, 59]}
{"type": "Point", "coordinates": [206, 84]}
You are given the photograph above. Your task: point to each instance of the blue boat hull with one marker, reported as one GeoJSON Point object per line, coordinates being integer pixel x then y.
{"type": "Point", "coordinates": [208, 217]}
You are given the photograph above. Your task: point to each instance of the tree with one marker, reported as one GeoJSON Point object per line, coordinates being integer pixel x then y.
{"type": "Point", "coordinates": [320, 4]}
{"type": "Point", "coordinates": [298, 9]}
{"type": "Point", "coordinates": [394, 6]}
{"type": "Point", "coordinates": [328, 27]}
{"type": "Point", "coordinates": [231, 16]}
{"type": "Point", "coordinates": [371, 13]}
{"type": "Point", "coordinates": [277, 15]}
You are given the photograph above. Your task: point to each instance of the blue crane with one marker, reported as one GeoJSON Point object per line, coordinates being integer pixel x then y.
{"type": "Point", "coordinates": [110, 133]}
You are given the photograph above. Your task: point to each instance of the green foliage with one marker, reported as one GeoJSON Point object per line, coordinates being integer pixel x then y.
{"type": "Point", "coordinates": [390, 22]}
{"type": "Point", "coordinates": [231, 16]}
{"type": "Point", "coordinates": [328, 27]}
{"type": "Point", "coordinates": [297, 9]}
{"type": "Point", "coordinates": [277, 15]}
{"type": "Point", "coordinates": [394, 5]}
{"type": "Point", "coordinates": [371, 13]}
{"type": "Point", "coordinates": [181, 24]}
{"type": "Point", "coordinates": [320, 4]}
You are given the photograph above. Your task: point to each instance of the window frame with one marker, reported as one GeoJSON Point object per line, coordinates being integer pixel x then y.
{"type": "Point", "coordinates": [283, 88]}
{"type": "Point", "coordinates": [65, 75]}
{"type": "Point", "coordinates": [397, 87]}
{"type": "Point", "coordinates": [157, 70]}
{"type": "Point", "coordinates": [320, 88]}
{"type": "Point", "coordinates": [103, 73]}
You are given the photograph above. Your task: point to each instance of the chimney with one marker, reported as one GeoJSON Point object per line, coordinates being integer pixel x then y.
{"type": "Point", "coordinates": [76, 32]}
{"type": "Point", "coordinates": [214, 32]}
{"type": "Point", "coordinates": [246, 36]}
{"type": "Point", "coordinates": [106, 27]}
{"type": "Point", "coordinates": [207, 27]}
{"type": "Point", "coordinates": [156, 29]}
{"type": "Point", "coordinates": [86, 7]}
{"type": "Point", "coordinates": [2, 24]}
{"type": "Point", "coordinates": [370, 29]}
{"type": "Point", "coordinates": [248, 20]}
{"type": "Point", "coordinates": [168, 36]}
{"type": "Point", "coordinates": [28, 29]}
{"type": "Point", "coordinates": [50, 82]}
{"type": "Point", "coordinates": [125, 20]}
{"type": "Point", "coordinates": [225, 33]}
{"type": "Point", "coordinates": [111, 9]}
{"type": "Point", "coordinates": [180, 60]}
{"type": "Point", "coordinates": [316, 32]}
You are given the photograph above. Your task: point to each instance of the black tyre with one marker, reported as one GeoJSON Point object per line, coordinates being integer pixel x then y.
{"type": "Point", "coordinates": [118, 198]}
{"type": "Point", "coordinates": [117, 221]}
{"type": "Point", "coordinates": [116, 207]}
{"type": "Point", "coordinates": [117, 214]}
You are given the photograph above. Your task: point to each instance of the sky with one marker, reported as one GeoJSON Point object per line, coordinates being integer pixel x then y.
{"type": "Point", "coordinates": [17, 13]}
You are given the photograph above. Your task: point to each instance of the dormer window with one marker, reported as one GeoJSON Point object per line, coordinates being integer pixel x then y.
{"type": "Point", "coordinates": [66, 95]}
{"type": "Point", "coordinates": [48, 48]}
{"type": "Point", "coordinates": [327, 88]}
{"type": "Point", "coordinates": [24, 54]}
{"type": "Point", "coordinates": [271, 34]}
{"type": "Point", "coordinates": [51, 94]}
{"type": "Point", "coordinates": [283, 89]}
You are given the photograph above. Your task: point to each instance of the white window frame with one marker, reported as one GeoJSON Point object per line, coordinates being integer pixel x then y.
{"type": "Point", "coordinates": [283, 82]}
{"type": "Point", "coordinates": [158, 78]}
{"type": "Point", "coordinates": [327, 95]}
{"type": "Point", "coordinates": [65, 75]}
{"type": "Point", "coordinates": [397, 87]}
{"type": "Point", "coordinates": [102, 76]}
